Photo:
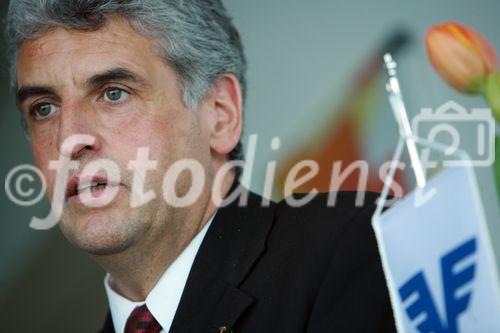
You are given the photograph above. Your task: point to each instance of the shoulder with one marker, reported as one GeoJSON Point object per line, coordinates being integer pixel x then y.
{"type": "Point", "coordinates": [324, 219]}
{"type": "Point", "coordinates": [341, 205]}
{"type": "Point", "coordinates": [328, 253]}
{"type": "Point", "coordinates": [338, 248]}
{"type": "Point", "coordinates": [321, 264]}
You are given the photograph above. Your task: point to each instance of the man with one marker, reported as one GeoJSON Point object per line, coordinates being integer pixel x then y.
{"type": "Point", "coordinates": [165, 79]}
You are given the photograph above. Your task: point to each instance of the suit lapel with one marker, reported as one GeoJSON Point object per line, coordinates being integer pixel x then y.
{"type": "Point", "coordinates": [108, 325]}
{"type": "Point", "coordinates": [233, 243]}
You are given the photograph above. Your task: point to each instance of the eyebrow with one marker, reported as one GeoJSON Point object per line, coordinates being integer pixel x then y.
{"type": "Point", "coordinates": [114, 74]}
{"type": "Point", "coordinates": [28, 91]}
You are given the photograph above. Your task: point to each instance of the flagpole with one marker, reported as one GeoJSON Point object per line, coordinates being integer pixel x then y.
{"type": "Point", "coordinates": [401, 115]}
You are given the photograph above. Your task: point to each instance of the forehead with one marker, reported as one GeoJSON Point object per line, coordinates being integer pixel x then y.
{"type": "Point", "coordinates": [61, 52]}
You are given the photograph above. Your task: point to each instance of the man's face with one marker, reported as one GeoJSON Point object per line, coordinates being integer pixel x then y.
{"type": "Point", "coordinates": [110, 84]}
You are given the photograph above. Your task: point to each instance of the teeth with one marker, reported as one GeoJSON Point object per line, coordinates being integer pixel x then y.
{"type": "Point", "coordinates": [94, 186]}
{"type": "Point", "coordinates": [98, 187]}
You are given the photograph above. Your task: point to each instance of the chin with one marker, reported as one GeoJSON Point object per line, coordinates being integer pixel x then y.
{"type": "Point", "coordinates": [102, 233]}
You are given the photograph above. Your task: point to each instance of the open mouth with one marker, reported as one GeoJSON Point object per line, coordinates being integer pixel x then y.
{"type": "Point", "coordinates": [90, 186]}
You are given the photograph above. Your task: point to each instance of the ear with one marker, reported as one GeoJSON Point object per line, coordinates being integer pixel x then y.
{"type": "Point", "coordinates": [226, 117]}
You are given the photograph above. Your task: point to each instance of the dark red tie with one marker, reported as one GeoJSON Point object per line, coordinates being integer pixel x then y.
{"type": "Point", "coordinates": [142, 321]}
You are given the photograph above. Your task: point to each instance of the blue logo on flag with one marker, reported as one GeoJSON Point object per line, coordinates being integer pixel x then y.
{"type": "Point", "coordinates": [456, 272]}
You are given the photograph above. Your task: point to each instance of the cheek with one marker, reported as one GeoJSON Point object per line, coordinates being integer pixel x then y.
{"type": "Point", "coordinates": [157, 130]}
{"type": "Point", "coordinates": [177, 138]}
{"type": "Point", "coordinates": [122, 143]}
{"type": "Point", "coordinates": [133, 134]}
{"type": "Point", "coordinates": [45, 151]}
{"type": "Point", "coordinates": [169, 135]}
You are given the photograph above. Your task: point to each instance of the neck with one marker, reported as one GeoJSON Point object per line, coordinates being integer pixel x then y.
{"type": "Point", "coordinates": [135, 271]}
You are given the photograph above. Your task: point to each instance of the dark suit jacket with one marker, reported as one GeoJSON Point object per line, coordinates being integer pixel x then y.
{"type": "Point", "coordinates": [285, 270]}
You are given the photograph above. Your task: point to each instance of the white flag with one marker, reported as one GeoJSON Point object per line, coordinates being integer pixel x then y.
{"type": "Point", "coordinates": [438, 258]}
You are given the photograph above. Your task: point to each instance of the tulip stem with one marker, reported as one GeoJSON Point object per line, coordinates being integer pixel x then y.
{"type": "Point", "coordinates": [492, 93]}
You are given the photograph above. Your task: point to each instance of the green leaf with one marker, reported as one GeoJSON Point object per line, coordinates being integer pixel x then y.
{"type": "Point", "coordinates": [492, 93]}
{"type": "Point", "coordinates": [496, 166]}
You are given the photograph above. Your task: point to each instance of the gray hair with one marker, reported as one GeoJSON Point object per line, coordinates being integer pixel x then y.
{"type": "Point", "coordinates": [196, 37]}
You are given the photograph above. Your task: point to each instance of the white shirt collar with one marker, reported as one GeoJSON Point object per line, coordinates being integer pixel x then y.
{"type": "Point", "coordinates": [164, 298]}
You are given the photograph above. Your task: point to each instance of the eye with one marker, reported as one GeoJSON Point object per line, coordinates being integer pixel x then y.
{"type": "Point", "coordinates": [115, 95]}
{"type": "Point", "coordinates": [43, 110]}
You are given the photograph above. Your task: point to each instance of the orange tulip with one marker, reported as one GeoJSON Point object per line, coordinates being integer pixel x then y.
{"type": "Point", "coordinates": [461, 56]}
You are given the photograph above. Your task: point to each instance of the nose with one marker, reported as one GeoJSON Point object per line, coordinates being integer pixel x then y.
{"type": "Point", "coordinates": [76, 135]}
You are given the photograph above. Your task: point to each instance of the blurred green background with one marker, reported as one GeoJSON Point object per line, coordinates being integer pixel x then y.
{"type": "Point", "coordinates": [302, 59]}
